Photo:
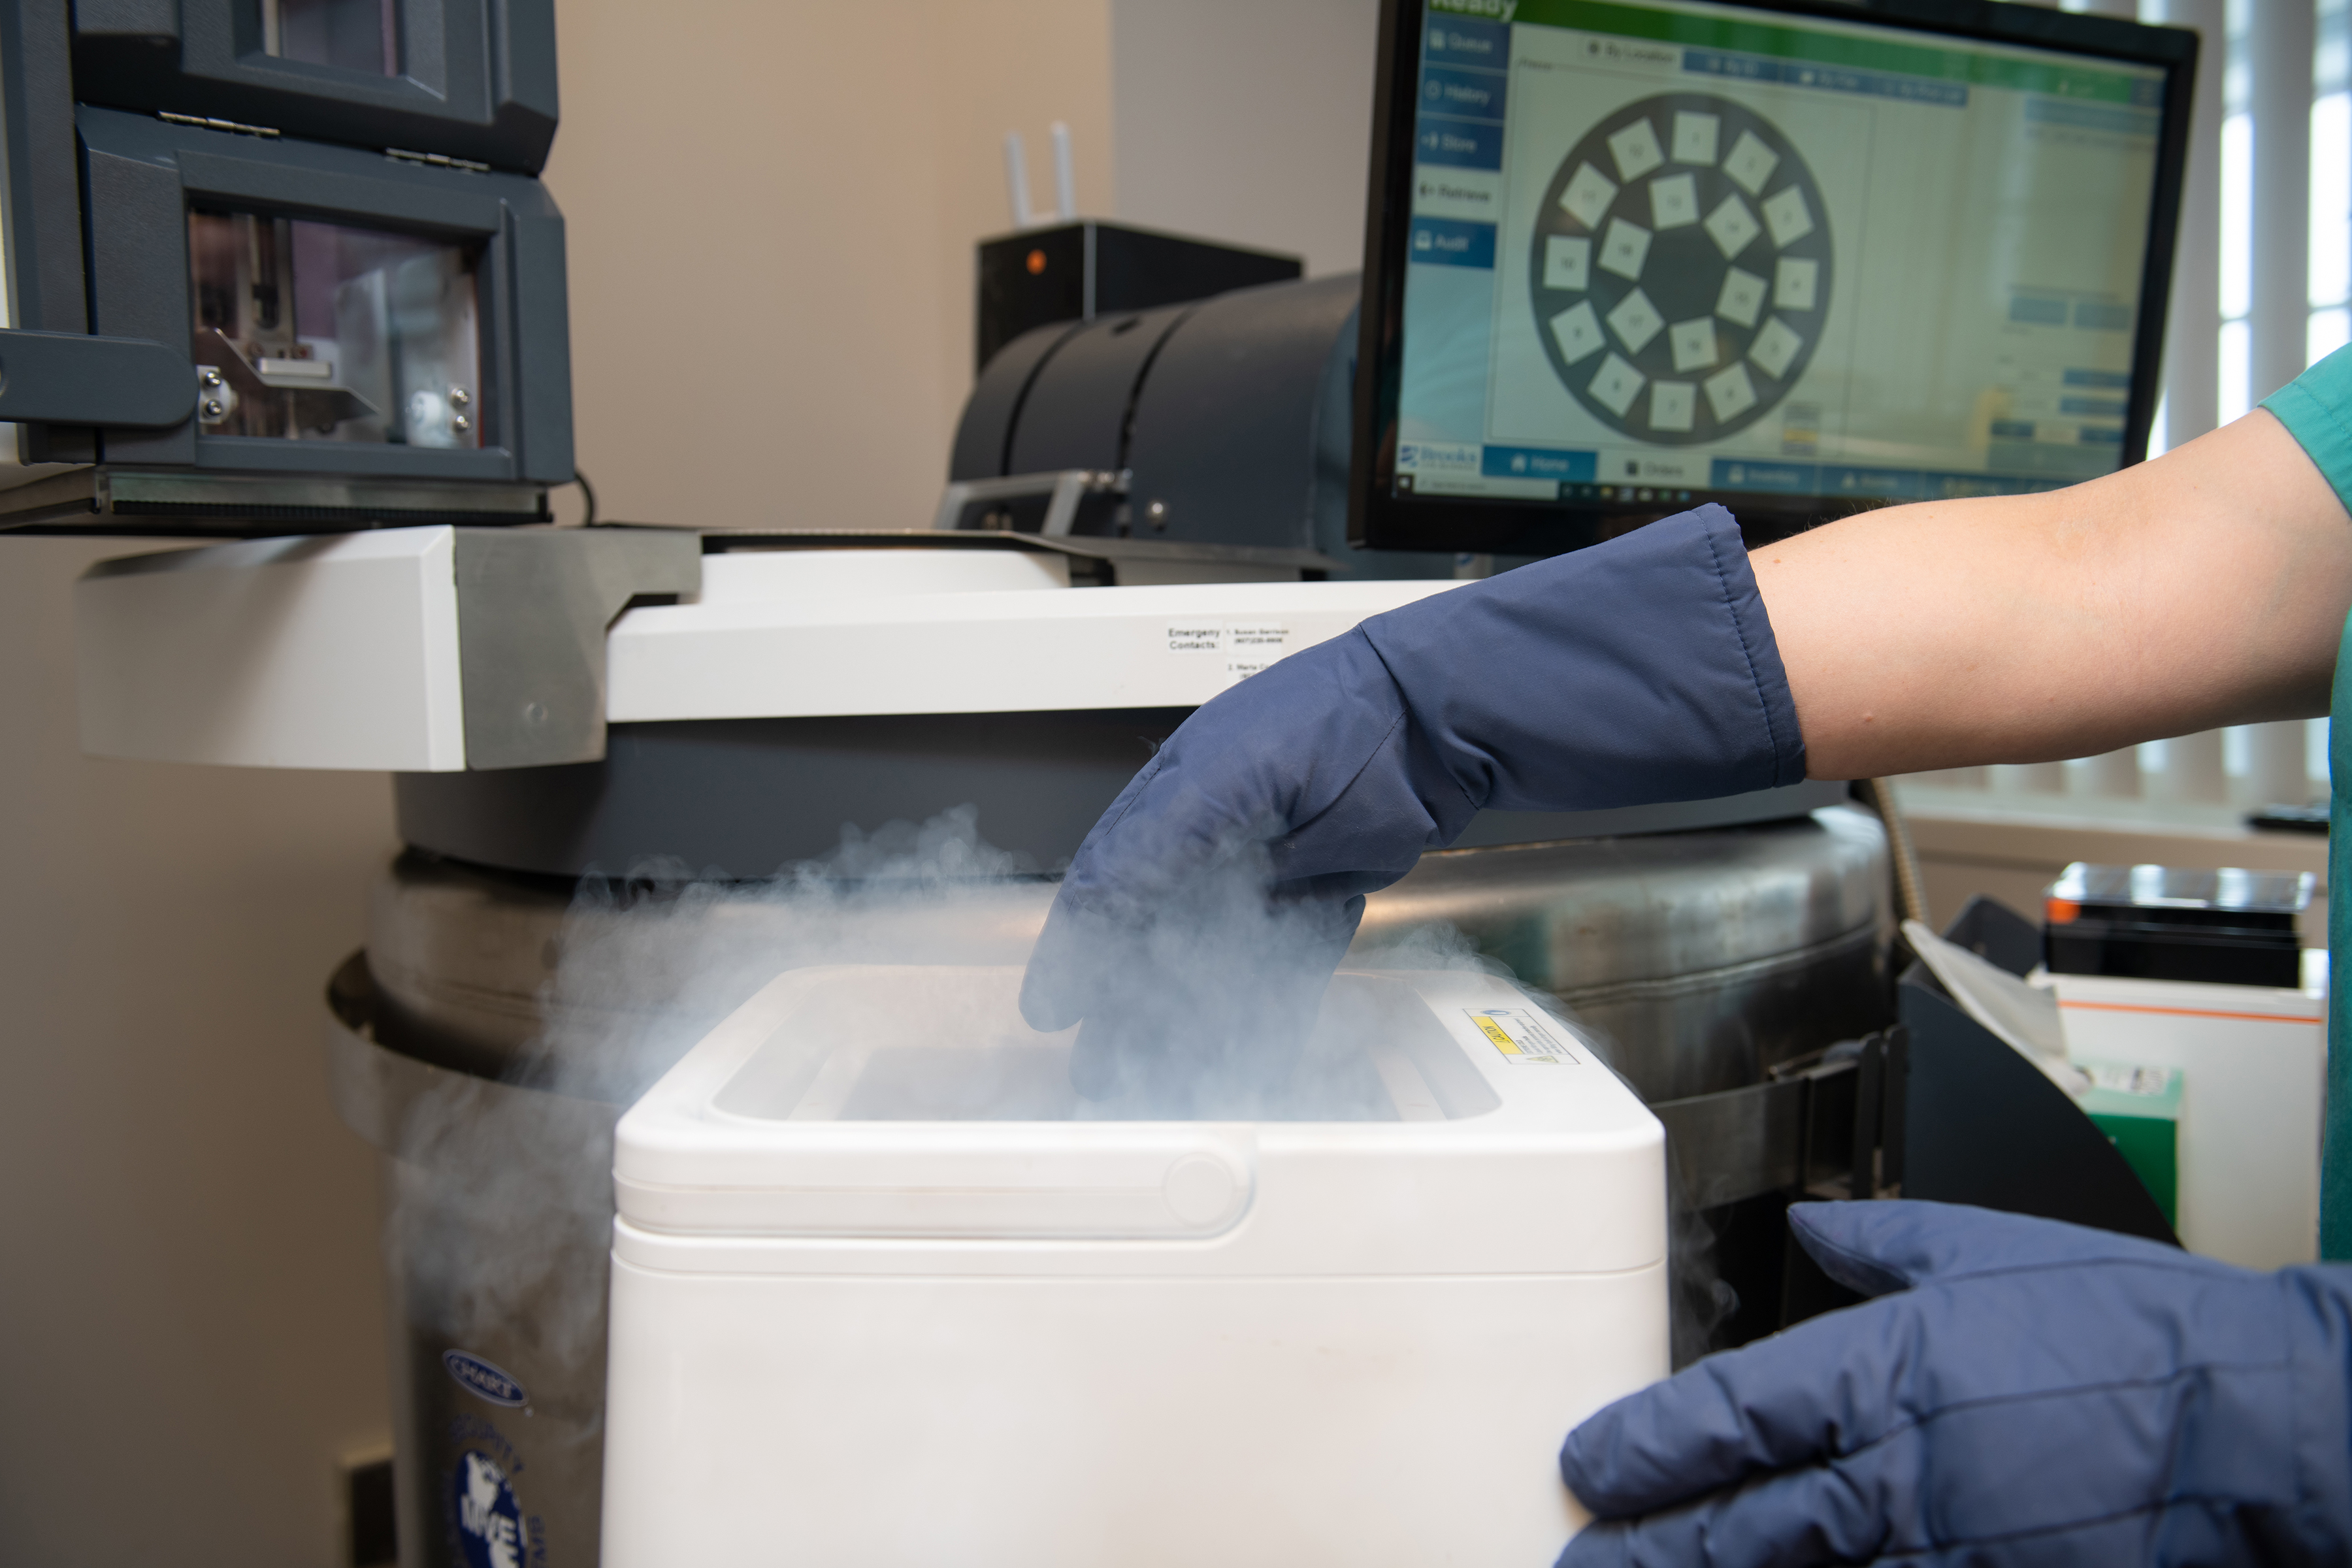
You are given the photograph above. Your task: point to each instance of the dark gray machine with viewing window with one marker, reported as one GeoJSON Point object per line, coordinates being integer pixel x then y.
{"type": "Point", "coordinates": [315, 278]}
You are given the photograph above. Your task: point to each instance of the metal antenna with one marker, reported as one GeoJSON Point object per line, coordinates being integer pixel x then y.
{"type": "Point", "coordinates": [1017, 180]}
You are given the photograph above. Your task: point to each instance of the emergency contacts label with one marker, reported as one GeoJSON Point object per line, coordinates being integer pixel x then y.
{"type": "Point", "coordinates": [1522, 1036]}
{"type": "Point", "coordinates": [1244, 648]}
{"type": "Point", "coordinates": [1251, 645]}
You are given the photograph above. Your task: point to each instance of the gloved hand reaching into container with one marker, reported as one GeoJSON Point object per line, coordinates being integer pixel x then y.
{"type": "Point", "coordinates": [1201, 919]}
{"type": "Point", "coordinates": [2021, 1393]}
{"type": "Point", "coordinates": [2016, 629]}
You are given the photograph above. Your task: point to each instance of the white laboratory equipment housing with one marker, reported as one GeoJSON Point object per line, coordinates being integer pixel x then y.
{"type": "Point", "coordinates": [884, 1292]}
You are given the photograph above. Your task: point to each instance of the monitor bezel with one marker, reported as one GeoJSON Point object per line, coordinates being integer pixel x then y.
{"type": "Point", "coordinates": [1379, 517]}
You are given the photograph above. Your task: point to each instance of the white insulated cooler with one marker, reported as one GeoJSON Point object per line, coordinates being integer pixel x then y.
{"type": "Point", "coordinates": [884, 1294]}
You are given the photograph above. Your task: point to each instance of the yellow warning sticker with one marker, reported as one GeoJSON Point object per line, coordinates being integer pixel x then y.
{"type": "Point", "coordinates": [1521, 1036]}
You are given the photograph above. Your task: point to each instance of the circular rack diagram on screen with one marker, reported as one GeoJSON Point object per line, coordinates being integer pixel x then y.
{"type": "Point", "coordinates": [1681, 270]}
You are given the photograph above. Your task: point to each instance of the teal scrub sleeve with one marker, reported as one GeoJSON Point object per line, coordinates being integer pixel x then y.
{"type": "Point", "coordinates": [2317, 409]}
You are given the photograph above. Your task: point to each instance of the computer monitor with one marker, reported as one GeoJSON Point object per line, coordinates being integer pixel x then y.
{"type": "Point", "coordinates": [1623, 259]}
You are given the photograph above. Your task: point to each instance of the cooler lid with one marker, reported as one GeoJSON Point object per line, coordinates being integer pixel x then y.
{"type": "Point", "coordinates": [881, 1101]}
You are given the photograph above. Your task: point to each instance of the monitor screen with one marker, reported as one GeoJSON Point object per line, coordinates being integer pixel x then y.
{"type": "Point", "coordinates": [1628, 257]}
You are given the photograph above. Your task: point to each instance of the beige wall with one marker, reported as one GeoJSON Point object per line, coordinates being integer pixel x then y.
{"type": "Point", "coordinates": [1247, 122]}
{"type": "Point", "coordinates": [770, 211]}
{"type": "Point", "coordinates": [190, 1328]}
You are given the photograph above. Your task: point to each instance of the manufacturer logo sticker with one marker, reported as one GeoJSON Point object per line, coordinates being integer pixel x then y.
{"type": "Point", "coordinates": [484, 1378]}
{"type": "Point", "coordinates": [490, 1530]}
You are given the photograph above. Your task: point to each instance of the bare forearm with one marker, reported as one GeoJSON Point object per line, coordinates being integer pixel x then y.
{"type": "Point", "coordinates": [2206, 587]}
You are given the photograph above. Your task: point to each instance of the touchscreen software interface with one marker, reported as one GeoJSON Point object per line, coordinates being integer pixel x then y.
{"type": "Point", "coordinates": [1663, 253]}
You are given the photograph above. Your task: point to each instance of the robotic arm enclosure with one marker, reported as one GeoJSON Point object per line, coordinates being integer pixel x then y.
{"type": "Point", "coordinates": [1221, 422]}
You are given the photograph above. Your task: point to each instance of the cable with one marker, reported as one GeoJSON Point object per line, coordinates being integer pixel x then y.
{"type": "Point", "coordinates": [1910, 886]}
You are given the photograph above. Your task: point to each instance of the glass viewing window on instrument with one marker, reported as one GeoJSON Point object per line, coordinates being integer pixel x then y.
{"type": "Point", "coordinates": [348, 35]}
{"type": "Point", "coordinates": [313, 330]}
{"type": "Point", "coordinates": [1667, 252]}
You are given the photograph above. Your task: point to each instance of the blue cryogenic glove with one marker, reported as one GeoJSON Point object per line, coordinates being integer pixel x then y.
{"type": "Point", "coordinates": [1205, 911]}
{"type": "Point", "coordinates": [2023, 1393]}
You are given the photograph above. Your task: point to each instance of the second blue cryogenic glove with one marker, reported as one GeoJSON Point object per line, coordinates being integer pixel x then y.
{"type": "Point", "coordinates": [1639, 670]}
{"type": "Point", "coordinates": [2029, 1394]}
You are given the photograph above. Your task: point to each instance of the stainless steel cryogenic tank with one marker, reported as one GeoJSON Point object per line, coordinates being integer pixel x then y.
{"type": "Point", "coordinates": [500, 1021]}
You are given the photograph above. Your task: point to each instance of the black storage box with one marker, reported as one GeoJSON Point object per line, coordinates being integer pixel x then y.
{"type": "Point", "coordinates": [1077, 271]}
{"type": "Point", "coordinates": [2161, 923]}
